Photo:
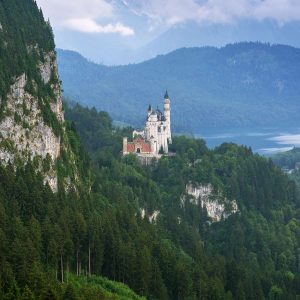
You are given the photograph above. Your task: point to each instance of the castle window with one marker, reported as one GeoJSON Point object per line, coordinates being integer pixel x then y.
{"type": "Point", "coordinates": [138, 150]}
{"type": "Point", "coordinates": [159, 129]}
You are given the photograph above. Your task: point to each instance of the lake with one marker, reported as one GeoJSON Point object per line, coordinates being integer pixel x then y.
{"type": "Point", "coordinates": [266, 141]}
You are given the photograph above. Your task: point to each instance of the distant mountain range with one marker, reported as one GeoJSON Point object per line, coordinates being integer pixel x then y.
{"type": "Point", "coordinates": [112, 50]}
{"type": "Point", "coordinates": [191, 34]}
{"type": "Point", "coordinates": [240, 85]}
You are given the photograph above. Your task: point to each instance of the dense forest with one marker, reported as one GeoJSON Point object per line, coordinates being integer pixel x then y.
{"type": "Point", "coordinates": [16, 45]}
{"type": "Point", "coordinates": [46, 237]}
{"type": "Point", "coordinates": [240, 85]}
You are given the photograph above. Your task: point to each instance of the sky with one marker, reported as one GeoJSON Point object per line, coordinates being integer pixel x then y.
{"type": "Point", "coordinates": [124, 31]}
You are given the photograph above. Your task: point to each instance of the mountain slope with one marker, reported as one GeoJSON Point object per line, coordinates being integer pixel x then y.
{"type": "Point", "coordinates": [248, 84]}
{"type": "Point", "coordinates": [41, 169]}
{"type": "Point", "coordinates": [32, 123]}
{"type": "Point", "coordinates": [202, 246]}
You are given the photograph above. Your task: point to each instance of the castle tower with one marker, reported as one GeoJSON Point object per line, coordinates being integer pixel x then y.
{"type": "Point", "coordinates": [125, 143]}
{"type": "Point", "coordinates": [167, 114]}
{"type": "Point", "coordinates": [149, 110]}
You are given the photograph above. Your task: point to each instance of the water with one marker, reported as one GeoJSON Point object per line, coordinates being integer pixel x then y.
{"type": "Point", "coordinates": [266, 141]}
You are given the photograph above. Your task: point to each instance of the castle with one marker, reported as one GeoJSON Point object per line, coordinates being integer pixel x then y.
{"type": "Point", "coordinates": [154, 140]}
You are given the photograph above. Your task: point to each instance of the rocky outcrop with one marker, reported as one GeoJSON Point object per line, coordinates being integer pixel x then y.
{"type": "Point", "coordinates": [151, 217]}
{"type": "Point", "coordinates": [217, 206]}
{"type": "Point", "coordinates": [24, 133]}
{"type": "Point", "coordinates": [48, 69]}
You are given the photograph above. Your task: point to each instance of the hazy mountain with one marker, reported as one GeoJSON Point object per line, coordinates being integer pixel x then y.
{"type": "Point", "coordinates": [112, 50]}
{"type": "Point", "coordinates": [193, 35]}
{"type": "Point", "coordinates": [246, 84]}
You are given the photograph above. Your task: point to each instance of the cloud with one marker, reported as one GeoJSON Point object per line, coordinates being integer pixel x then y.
{"type": "Point", "coordinates": [274, 150]}
{"type": "Point", "coordinates": [83, 16]}
{"type": "Point", "coordinates": [90, 26]}
{"type": "Point", "coordinates": [170, 12]}
{"type": "Point", "coordinates": [288, 139]}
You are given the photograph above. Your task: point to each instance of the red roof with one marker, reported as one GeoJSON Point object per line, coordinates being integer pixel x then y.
{"type": "Point", "coordinates": [146, 147]}
{"type": "Point", "coordinates": [130, 147]}
{"type": "Point", "coordinates": [138, 143]}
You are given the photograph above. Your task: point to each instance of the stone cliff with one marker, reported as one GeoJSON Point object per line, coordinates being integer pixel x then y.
{"type": "Point", "coordinates": [217, 206]}
{"type": "Point", "coordinates": [25, 132]}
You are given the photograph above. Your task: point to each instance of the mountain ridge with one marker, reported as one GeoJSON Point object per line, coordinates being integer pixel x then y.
{"type": "Point", "coordinates": [239, 85]}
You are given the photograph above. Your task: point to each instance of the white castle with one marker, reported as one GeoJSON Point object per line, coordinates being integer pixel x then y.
{"type": "Point", "coordinates": [154, 140]}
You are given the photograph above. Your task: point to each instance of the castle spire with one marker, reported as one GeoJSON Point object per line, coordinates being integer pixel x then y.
{"type": "Point", "coordinates": [166, 95]}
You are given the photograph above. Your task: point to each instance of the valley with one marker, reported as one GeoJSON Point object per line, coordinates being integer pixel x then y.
{"type": "Point", "coordinates": [265, 141]}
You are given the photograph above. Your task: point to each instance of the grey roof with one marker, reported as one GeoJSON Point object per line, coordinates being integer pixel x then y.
{"type": "Point", "coordinates": [166, 95]}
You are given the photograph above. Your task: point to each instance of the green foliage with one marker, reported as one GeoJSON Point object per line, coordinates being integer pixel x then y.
{"type": "Point", "coordinates": [46, 238]}
{"type": "Point", "coordinates": [96, 287]}
{"type": "Point", "coordinates": [248, 250]}
{"type": "Point", "coordinates": [50, 118]}
{"type": "Point", "coordinates": [25, 38]}
{"type": "Point", "coordinates": [27, 294]}
{"type": "Point", "coordinates": [23, 27]}
{"type": "Point", "coordinates": [95, 129]}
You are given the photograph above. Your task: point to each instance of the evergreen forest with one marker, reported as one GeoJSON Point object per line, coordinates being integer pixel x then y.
{"type": "Point", "coordinates": [79, 238]}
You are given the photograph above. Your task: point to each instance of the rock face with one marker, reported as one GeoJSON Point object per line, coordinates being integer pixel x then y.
{"type": "Point", "coordinates": [24, 133]}
{"type": "Point", "coordinates": [48, 69]}
{"type": "Point", "coordinates": [217, 206]}
{"type": "Point", "coordinates": [151, 217]}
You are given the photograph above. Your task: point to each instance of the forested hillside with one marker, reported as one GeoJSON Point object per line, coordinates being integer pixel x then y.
{"type": "Point", "coordinates": [250, 255]}
{"type": "Point", "coordinates": [288, 159]}
{"type": "Point", "coordinates": [15, 57]}
{"type": "Point", "coordinates": [289, 162]}
{"type": "Point", "coordinates": [182, 255]}
{"type": "Point", "coordinates": [41, 170]}
{"type": "Point", "coordinates": [244, 85]}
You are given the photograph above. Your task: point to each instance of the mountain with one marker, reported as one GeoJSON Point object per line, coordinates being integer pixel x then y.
{"type": "Point", "coordinates": [191, 34]}
{"type": "Point", "coordinates": [240, 85]}
{"type": "Point", "coordinates": [31, 119]}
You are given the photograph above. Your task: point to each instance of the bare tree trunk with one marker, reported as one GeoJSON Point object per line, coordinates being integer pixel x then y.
{"type": "Point", "coordinates": [67, 271]}
{"type": "Point", "coordinates": [89, 260]}
{"type": "Point", "coordinates": [47, 257]}
{"type": "Point", "coordinates": [77, 269]}
{"type": "Point", "coordinates": [62, 267]}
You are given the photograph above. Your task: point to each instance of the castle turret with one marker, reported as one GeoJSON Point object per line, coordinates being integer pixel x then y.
{"type": "Point", "coordinates": [149, 110]}
{"type": "Point", "coordinates": [167, 114]}
{"type": "Point", "coordinates": [125, 143]}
